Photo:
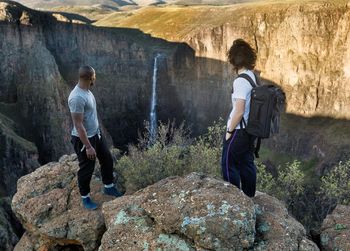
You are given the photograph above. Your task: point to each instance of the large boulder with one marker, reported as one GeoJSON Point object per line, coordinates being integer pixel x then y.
{"type": "Point", "coordinates": [190, 213]}
{"type": "Point", "coordinates": [335, 230]}
{"type": "Point", "coordinates": [48, 205]}
{"type": "Point", "coordinates": [276, 229]}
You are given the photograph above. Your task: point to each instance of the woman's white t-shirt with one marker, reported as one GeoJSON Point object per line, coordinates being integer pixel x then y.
{"type": "Point", "coordinates": [241, 90]}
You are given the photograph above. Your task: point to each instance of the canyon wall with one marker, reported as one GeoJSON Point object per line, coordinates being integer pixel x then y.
{"type": "Point", "coordinates": [302, 47]}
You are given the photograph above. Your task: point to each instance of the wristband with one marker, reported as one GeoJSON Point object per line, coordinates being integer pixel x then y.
{"type": "Point", "coordinates": [230, 132]}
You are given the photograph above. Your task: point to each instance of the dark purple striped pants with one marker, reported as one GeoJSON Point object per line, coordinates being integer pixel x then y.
{"type": "Point", "coordinates": [237, 162]}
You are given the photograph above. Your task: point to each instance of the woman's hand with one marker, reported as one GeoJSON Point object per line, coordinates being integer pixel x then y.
{"type": "Point", "coordinates": [228, 136]}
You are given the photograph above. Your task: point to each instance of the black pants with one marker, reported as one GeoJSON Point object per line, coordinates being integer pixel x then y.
{"type": "Point", "coordinates": [237, 162]}
{"type": "Point", "coordinates": [87, 166]}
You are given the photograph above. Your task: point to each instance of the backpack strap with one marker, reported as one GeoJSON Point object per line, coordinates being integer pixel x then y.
{"type": "Point", "coordinates": [257, 148]}
{"type": "Point", "coordinates": [253, 84]}
{"type": "Point", "coordinates": [249, 79]}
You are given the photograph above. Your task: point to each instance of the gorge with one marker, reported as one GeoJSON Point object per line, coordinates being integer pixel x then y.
{"type": "Point", "coordinates": [303, 48]}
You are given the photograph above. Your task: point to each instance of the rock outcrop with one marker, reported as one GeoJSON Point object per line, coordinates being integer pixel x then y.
{"type": "Point", "coordinates": [48, 205]}
{"type": "Point", "coordinates": [190, 213]}
{"type": "Point", "coordinates": [276, 229]}
{"type": "Point", "coordinates": [335, 230]}
{"type": "Point", "coordinates": [194, 212]}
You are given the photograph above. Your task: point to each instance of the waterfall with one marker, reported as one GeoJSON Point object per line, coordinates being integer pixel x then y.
{"type": "Point", "coordinates": [153, 111]}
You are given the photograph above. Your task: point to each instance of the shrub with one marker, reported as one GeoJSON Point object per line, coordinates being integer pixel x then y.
{"type": "Point", "coordinates": [172, 153]}
{"type": "Point", "coordinates": [336, 184]}
{"type": "Point", "coordinates": [290, 182]}
{"type": "Point", "coordinates": [265, 181]}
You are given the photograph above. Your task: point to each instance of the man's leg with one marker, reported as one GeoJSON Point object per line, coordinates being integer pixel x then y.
{"type": "Point", "coordinates": [106, 162]}
{"type": "Point", "coordinates": [86, 166]}
{"type": "Point", "coordinates": [86, 169]}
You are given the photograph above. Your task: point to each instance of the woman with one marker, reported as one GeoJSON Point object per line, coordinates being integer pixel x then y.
{"type": "Point", "coordinates": [237, 162]}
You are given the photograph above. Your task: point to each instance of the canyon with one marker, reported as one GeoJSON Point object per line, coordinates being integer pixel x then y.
{"type": "Point", "coordinates": [302, 48]}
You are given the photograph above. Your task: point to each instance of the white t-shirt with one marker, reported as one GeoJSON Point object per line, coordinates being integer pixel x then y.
{"type": "Point", "coordinates": [241, 90]}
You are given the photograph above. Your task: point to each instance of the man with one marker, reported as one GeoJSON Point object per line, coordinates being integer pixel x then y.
{"type": "Point", "coordinates": [87, 139]}
{"type": "Point", "coordinates": [237, 162]}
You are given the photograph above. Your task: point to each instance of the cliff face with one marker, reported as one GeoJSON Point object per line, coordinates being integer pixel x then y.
{"type": "Point", "coordinates": [303, 48]}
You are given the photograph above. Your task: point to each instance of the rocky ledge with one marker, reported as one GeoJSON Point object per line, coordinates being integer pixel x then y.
{"type": "Point", "coordinates": [194, 212]}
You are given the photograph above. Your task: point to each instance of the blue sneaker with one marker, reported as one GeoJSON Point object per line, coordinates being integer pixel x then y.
{"type": "Point", "coordinates": [89, 204]}
{"type": "Point", "coordinates": [112, 191]}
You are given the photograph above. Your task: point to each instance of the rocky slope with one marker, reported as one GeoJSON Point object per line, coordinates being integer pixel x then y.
{"type": "Point", "coordinates": [194, 212]}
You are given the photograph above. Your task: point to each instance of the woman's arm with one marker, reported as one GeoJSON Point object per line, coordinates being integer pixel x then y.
{"type": "Point", "coordinates": [237, 116]}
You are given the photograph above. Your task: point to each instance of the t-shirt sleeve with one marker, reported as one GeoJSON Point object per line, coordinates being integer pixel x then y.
{"type": "Point", "coordinates": [76, 105]}
{"type": "Point", "coordinates": [241, 89]}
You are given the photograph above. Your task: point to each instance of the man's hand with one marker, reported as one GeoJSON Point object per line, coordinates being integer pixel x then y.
{"type": "Point", "coordinates": [91, 153]}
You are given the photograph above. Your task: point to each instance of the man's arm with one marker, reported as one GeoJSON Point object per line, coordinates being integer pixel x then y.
{"type": "Point", "coordinates": [237, 116]}
{"type": "Point", "coordinates": [78, 123]}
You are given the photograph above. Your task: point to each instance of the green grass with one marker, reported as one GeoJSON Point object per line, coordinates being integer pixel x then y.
{"type": "Point", "coordinates": [174, 23]}
{"type": "Point", "coordinates": [90, 12]}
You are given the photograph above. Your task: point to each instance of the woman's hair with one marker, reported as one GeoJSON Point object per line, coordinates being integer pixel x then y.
{"type": "Point", "coordinates": [241, 54]}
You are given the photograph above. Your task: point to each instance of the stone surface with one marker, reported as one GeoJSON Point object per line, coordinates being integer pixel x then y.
{"type": "Point", "coordinates": [194, 212]}
{"type": "Point", "coordinates": [48, 205]}
{"type": "Point", "coordinates": [190, 213]}
{"type": "Point", "coordinates": [335, 230]}
{"type": "Point", "coordinates": [276, 229]}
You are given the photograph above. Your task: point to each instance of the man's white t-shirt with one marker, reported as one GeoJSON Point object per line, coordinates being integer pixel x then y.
{"type": "Point", "coordinates": [241, 90]}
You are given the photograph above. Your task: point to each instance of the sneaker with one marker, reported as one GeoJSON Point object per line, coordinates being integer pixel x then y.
{"type": "Point", "coordinates": [89, 204]}
{"type": "Point", "coordinates": [112, 191]}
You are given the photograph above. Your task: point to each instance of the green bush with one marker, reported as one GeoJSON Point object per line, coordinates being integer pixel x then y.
{"type": "Point", "coordinates": [172, 153]}
{"type": "Point", "coordinates": [336, 184]}
{"type": "Point", "coordinates": [265, 181]}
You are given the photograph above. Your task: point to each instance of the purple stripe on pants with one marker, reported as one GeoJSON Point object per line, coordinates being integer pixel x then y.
{"type": "Point", "coordinates": [228, 151]}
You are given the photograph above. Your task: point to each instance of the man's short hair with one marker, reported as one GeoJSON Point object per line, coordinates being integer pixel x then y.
{"type": "Point", "coordinates": [86, 72]}
{"type": "Point", "coordinates": [241, 54]}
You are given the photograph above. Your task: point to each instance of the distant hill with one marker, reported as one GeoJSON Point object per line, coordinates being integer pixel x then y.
{"type": "Point", "coordinates": [121, 3]}
{"type": "Point", "coordinates": [111, 3]}
{"type": "Point", "coordinates": [100, 9]}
